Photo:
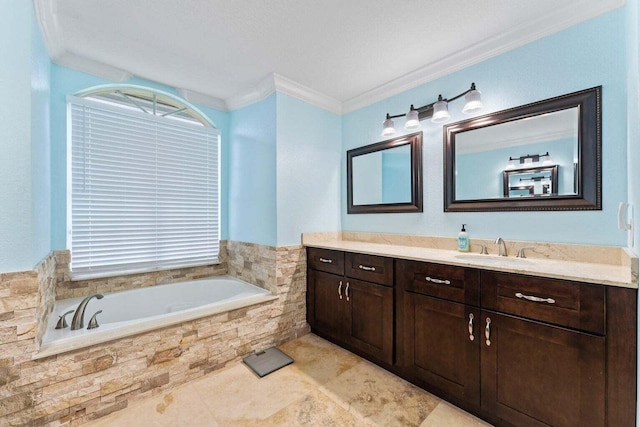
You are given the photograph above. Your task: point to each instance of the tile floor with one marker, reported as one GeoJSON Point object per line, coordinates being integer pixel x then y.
{"type": "Point", "coordinates": [325, 386]}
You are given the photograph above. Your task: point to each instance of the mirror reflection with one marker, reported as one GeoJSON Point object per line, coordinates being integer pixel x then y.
{"type": "Point", "coordinates": [484, 155]}
{"type": "Point", "coordinates": [386, 176]}
{"type": "Point", "coordinates": [382, 176]}
{"type": "Point", "coordinates": [546, 155]}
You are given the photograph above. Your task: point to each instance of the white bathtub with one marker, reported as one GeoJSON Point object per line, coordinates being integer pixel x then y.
{"type": "Point", "coordinates": [140, 310]}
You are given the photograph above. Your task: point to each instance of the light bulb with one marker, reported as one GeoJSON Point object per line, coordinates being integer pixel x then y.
{"type": "Point", "coordinates": [413, 120]}
{"type": "Point", "coordinates": [388, 128]}
{"type": "Point", "coordinates": [440, 111]}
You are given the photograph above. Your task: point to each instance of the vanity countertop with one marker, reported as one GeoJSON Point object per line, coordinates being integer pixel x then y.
{"type": "Point", "coordinates": [625, 274]}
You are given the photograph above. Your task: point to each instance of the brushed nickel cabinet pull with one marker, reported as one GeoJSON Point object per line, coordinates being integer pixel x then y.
{"type": "Point", "coordinates": [365, 268]}
{"type": "Point", "coordinates": [346, 291]}
{"type": "Point", "coordinates": [534, 298]}
{"type": "Point", "coordinates": [471, 337]}
{"type": "Point", "coordinates": [487, 332]}
{"type": "Point", "coordinates": [340, 289]}
{"type": "Point", "coordinates": [326, 261]}
{"type": "Point", "coordinates": [438, 281]}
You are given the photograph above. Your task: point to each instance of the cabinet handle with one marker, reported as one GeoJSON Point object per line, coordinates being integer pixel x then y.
{"type": "Point", "coordinates": [365, 268]}
{"type": "Point", "coordinates": [326, 261]}
{"type": "Point", "coordinates": [487, 332]}
{"type": "Point", "coordinates": [340, 289]}
{"type": "Point", "coordinates": [346, 291]}
{"type": "Point", "coordinates": [471, 337]}
{"type": "Point", "coordinates": [535, 299]}
{"type": "Point", "coordinates": [438, 281]}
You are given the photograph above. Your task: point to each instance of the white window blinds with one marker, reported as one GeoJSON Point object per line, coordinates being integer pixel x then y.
{"type": "Point", "coordinates": [142, 191]}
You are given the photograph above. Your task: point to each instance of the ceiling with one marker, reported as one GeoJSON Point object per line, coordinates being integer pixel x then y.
{"type": "Point", "coordinates": [349, 52]}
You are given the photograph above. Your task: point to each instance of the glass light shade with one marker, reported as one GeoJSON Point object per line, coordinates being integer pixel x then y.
{"type": "Point", "coordinates": [548, 160]}
{"type": "Point", "coordinates": [413, 121]}
{"type": "Point", "coordinates": [440, 112]}
{"type": "Point", "coordinates": [388, 128]}
{"type": "Point", "coordinates": [511, 165]}
{"type": "Point", "coordinates": [473, 102]}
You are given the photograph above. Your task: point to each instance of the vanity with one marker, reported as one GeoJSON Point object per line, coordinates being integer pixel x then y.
{"type": "Point", "coordinates": [518, 342]}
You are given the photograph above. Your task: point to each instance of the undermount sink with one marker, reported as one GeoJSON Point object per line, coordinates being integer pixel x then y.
{"type": "Point", "coordinates": [494, 260]}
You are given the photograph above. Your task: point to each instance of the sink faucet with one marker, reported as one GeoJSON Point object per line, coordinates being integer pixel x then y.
{"type": "Point", "coordinates": [78, 317]}
{"type": "Point", "coordinates": [502, 248]}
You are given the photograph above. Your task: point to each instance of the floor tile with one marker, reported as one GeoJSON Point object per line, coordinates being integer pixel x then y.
{"type": "Point", "coordinates": [446, 414]}
{"type": "Point", "coordinates": [181, 406]}
{"type": "Point", "coordinates": [318, 359]}
{"type": "Point", "coordinates": [325, 386]}
{"type": "Point", "coordinates": [380, 397]}
{"type": "Point", "coordinates": [236, 396]}
{"type": "Point", "coordinates": [313, 409]}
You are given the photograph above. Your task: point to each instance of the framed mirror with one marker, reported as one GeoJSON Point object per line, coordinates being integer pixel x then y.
{"type": "Point", "coordinates": [542, 156]}
{"type": "Point", "coordinates": [386, 176]}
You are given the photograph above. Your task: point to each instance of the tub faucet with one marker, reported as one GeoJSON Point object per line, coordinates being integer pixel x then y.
{"type": "Point", "coordinates": [502, 248]}
{"type": "Point", "coordinates": [78, 316]}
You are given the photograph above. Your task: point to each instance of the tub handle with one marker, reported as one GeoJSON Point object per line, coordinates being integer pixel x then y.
{"type": "Point", "coordinates": [62, 322]}
{"type": "Point", "coordinates": [93, 322]}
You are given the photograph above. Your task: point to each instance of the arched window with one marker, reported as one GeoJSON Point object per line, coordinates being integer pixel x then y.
{"type": "Point", "coordinates": [143, 182]}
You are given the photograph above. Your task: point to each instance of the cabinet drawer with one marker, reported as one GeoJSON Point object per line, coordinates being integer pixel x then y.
{"type": "Point", "coordinates": [371, 268]}
{"type": "Point", "coordinates": [571, 304]}
{"type": "Point", "coordinates": [326, 260]}
{"type": "Point", "coordinates": [457, 284]}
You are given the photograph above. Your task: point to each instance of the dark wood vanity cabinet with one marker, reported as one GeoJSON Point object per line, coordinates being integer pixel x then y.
{"type": "Point", "coordinates": [516, 350]}
{"type": "Point", "coordinates": [535, 374]}
{"type": "Point", "coordinates": [353, 304]}
{"type": "Point", "coordinates": [438, 320]}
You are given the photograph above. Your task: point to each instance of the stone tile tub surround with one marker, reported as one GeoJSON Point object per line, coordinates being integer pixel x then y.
{"type": "Point", "coordinates": [610, 265]}
{"type": "Point", "coordinates": [85, 384]}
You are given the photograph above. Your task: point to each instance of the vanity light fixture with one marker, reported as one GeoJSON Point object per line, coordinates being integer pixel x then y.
{"type": "Point", "coordinates": [438, 111]}
{"type": "Point", "coordinates": [529, 158]}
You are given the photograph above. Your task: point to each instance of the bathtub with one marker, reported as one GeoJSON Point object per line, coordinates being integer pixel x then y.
{"type": "Point", "coordinates": [140, 310]}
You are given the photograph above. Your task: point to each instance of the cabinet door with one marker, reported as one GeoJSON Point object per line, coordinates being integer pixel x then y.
{"type": "Point", "coordinates": [370, 318]}
{"type": "Point", "coordinates": [439, 348]}
{"type": "Point", "coordinates": [534, 374]}
{"type": "Point", "coordinates": [328, 303]}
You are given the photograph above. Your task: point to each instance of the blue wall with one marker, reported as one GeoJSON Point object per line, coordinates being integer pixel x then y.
{"type": "Point", "coordinates": [583, 56]}
{"type": "Point", "coordinates": [24, 85]}
{"type": "Point", "coordinates": [308, 169]}
{"type": "Point", "coordinates": [65, 81]}
{"type": "Point", "coordinates": [252, 173]}
{"type": "Point", "coordinates": [40, 146]}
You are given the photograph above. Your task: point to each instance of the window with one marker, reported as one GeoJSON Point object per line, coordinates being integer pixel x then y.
{"type": "Point", "coordinates": [142, 185]}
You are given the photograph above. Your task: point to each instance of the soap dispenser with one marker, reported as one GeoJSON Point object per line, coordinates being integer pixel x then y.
{"type": "Point", "coordinates": [463, 240]}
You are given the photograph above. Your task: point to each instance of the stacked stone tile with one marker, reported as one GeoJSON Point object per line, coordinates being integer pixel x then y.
{"type": "Point", "coordinates": [74, 387]}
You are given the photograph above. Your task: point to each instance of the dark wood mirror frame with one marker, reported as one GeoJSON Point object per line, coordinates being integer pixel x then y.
{"type": "Point", "coordinates": [588, 170]}
{"type": "Point", "coordinates": [415, 205]}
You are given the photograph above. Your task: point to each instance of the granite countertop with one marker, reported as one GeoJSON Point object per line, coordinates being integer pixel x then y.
{"type": "Point", "coordinates": [623, 273]}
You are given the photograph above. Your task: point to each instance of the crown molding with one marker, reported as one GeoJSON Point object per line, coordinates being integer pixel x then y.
{"type": "Point", "coordinates": [90, 66]}
{"type": "Point", "coordinates": [46, 16]}
{"type": "Point", "coordinates": [203, 99]}
{"type": "Point", "coordinates": [277, 83]}
{"type": "Point", "coordinates": [306, 94]}
{"type": "Point", "coordinates": [560, 19]}
{"type": "Point", "coordinates": [259, 92]}
{"type": "Point", "coordinates": [516, 141]}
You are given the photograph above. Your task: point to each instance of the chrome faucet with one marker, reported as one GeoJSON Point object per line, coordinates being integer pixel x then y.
{"type": "Point", "coordinates": [502, 248]}
{"type": "Point", "coordinates": [78, 316]}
